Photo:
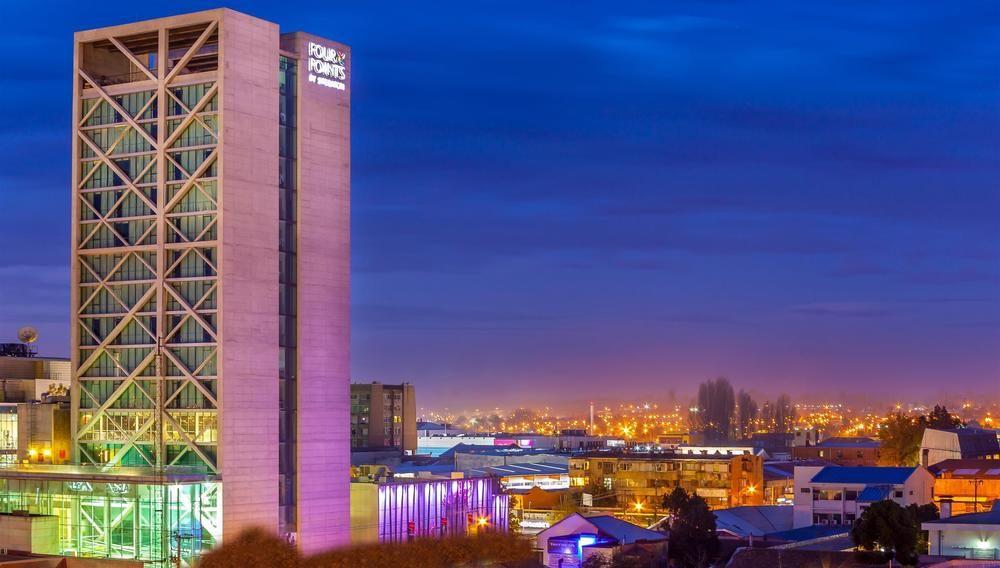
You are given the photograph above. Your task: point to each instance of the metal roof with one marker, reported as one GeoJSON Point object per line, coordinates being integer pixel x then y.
{"type": "Point", "coordinates": [866, 475]}
{"type": "Point", "coordinates": [849, 442]}
{"type": "Point", "coordinates": [543, 468]}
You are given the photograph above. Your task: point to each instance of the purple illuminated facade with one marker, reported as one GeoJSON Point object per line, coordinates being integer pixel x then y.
{"type": "Point", "coordinates": [396, 512]}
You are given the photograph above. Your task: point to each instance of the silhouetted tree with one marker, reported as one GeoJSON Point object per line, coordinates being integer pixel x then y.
{"type": "Point", "coordinates": [747, 408]}
{"type": "Point", "coordinates": [901, 435]}
{"type": "Point", "coordinates": [887, 526]}
{"type": "Point", "coordinates": [693, 539]}
{"type": "Point", "coordinates": [941, 418]}
{"type": "Point", "coordinates": [716, 406]}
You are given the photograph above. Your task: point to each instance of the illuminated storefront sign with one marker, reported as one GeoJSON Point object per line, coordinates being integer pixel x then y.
{"type": "Point", "coordinates": [327, 66]}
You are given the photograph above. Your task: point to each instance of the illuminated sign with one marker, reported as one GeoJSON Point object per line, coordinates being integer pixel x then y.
{"type": "Point", "coordinates": [327, 66]}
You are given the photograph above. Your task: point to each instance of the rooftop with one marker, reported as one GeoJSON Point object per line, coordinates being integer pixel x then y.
{"type": "Point", "coordinates": [771, 557]}
{"type": "Point", "coordinates": [874, 493]}
{"type": "Point", "coordinates": [991, 517]}
{"type": "Point", "coordinates": [786, 469]}
{"type": "Point", "coordinates": [655, 456]}
{"type": "Point", "coordinates": [756, 520]}
{"type": "Point", "coordinates": [811, 532]}
{"type": "Point", "coordinates": [624, 531]}
{"type": "Point", "coordinates": [866, 475]}
{"type": "Point", "coordinates": [542, 468]}
{"type": "Point", "coordinates": [849, 442]}
{"type": "Point", "coordinates": [967, 468]}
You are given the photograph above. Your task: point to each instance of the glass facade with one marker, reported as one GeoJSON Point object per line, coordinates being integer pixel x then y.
{"type": "Point", "coordinates": [159, 519]}
{"type": "Point", "coordinates": [8, 434]}
{"type": "Point", "coordinates": [146, 252]}
{"type": "Point", "coordinates": [287, 242]}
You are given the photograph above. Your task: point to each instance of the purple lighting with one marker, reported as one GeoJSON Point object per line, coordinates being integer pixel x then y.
{"type": "Point", "coordinates": [440, 508]}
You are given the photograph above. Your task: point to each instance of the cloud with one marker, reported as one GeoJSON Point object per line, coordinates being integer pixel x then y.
{"type": "Point", "coordinates": [843, 310]}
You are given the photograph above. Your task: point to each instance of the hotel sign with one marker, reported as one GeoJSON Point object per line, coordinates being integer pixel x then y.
{"type": "Point", "coordinates": [327, 66]}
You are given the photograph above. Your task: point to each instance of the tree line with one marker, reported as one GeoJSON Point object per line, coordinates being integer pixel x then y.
{"type": "Point", "coordinates": [722, 414]}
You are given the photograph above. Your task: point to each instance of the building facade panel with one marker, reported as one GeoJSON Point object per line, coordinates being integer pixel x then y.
{"type": "Point", "coordinates": [323, 283]}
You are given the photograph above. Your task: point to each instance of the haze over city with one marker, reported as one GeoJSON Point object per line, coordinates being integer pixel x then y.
{"type": "Point", "coordinates": [571, 204]}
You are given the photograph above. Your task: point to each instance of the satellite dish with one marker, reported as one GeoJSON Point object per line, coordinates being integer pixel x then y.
{"type": "Point", "coordinates": [27, 334]}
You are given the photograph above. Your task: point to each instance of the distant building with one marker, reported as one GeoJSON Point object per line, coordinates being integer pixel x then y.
{"type": "Point", "coordinates": [938, 445]}
{"type": "Point", "coordinates": [524, 476]}
{"type": "Point", "coordinates": [435, 440]}
{"type": "Point", "coordinates": [467, 458]}
{"type": "Point", "coordinates": [34, 407]}
{"type": "Point", "coordinates": [973, 536]}
{"type": "Point", "coordinates": [28, 378]}
{"type": "Point", "coordinates": [966, 486]}
{"type": "Point", "coordinates": [722, 480]}
{"type": "Point", "coordinates": [400, 510]}
{"type": "Point", "coordinates": [571, 541]}
{"type": "Point", "coordinates": [384, 416]}
{"type": "Point", "coordinates": [779, 480]}
{"type": "Point", "coordinates": [842, 451]}
{"type": "Point", "coordinates": [837, 495]}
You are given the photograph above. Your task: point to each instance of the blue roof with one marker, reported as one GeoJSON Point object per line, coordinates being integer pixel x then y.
{"type": "Point", "coordinates": [811, 532]}
{"type": "Point", "coordinates": [874, 493]}
{"type": "Point", "coordinates": [624, 531]}
{"type": "Point", "coordinates": [866, 475]}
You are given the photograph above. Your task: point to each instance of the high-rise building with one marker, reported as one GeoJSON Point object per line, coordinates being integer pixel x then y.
{"type": "Point", "coordinates": [384, 416]}
{"type": "Point", "coordinates": [210, 275]}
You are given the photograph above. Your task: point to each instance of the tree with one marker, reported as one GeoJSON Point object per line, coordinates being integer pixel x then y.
{"type": "Point", "coordinates": [716, 406]}
{"type": "Point", "coordinates": [676, 502]}
{"type": "Point", "coordinates": [901, 435]}
{"type": "Point", "coordinates": [693, 540]}
{"type": "Point", "coordinates": [942, 419]}
{"type": "Point", "coordinates": [889, 528]}
{"type": "Point", "coordinates": [747, 408]}
{"type": "Point", "coordinates": [255, 548]}
{"type": "Point", "coordinates": [923, 514]}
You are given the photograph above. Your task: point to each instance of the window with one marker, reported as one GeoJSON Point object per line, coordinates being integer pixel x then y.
{"type": "Point", "coordinates": [851, 495]}
{"type": "Point", "coordinates": [898, 494]}
{"type": "Point", "coordinates": [805, 490]}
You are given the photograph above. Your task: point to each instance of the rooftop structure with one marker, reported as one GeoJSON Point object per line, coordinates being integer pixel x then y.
{"type": "Point", "coordinates": [966, 486]}
{"type": "Point", "coordinates": [939, 444]}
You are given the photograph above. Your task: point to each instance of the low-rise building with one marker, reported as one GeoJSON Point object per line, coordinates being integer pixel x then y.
{"type": "Point", "coordinates": [522, 476]}
{"type": "Point", "coordinates": [837, 495]}
{"type": "Point", "coordinates": [842, 450]}
{"type": "Point", "coordinates": [779, 480]}
{"type": "Point", "coordinates": [965, 486]}
{"type": "Point", "coordinates": [940, 444]}
{"type": "Point", "coordinates": [571, 541]}
{"type": "Point", "coordinates": [973, 536]}
{"type": "Point", "coordinates": [632, 477]}
{"type": "Point", "coordinates": [400, 510]}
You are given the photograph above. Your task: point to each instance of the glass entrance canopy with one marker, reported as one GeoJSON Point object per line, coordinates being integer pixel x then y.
{"type": "Point", "coordinates": [156, 515]}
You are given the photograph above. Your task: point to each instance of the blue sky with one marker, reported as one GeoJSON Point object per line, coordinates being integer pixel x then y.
{"type": "Point", "coordinates": [592, 200]}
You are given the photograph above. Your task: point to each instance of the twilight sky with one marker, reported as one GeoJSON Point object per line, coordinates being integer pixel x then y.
{"type": "Point", "coordinates": [562, 201]}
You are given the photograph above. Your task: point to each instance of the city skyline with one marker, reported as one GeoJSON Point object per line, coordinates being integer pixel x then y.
{"type": "Point", "coordinates": [577, 202]}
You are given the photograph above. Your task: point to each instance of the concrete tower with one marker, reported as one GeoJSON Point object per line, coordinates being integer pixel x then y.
{"type": "Point", "coordinates": [211, 260]}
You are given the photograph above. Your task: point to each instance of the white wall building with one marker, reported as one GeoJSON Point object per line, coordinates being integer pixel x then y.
{"type": "Point", "coordinates": [973, 536]}
{"type": "Point", "coordinates": [836, 495]}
